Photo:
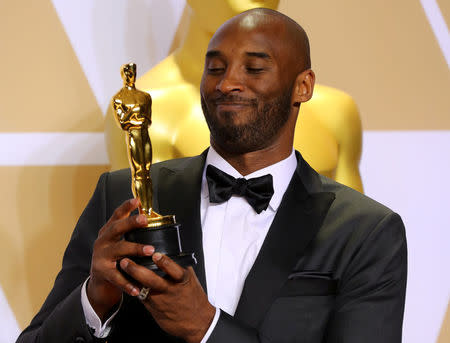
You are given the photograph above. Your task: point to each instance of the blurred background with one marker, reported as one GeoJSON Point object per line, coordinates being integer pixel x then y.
{"type": "Point", "coordinates": [61, 63]}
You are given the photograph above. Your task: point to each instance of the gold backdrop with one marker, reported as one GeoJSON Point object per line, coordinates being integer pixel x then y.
{"type": "Point", "coordinates": [383, 53]}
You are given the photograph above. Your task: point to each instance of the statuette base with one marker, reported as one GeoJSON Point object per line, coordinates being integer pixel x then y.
{"type": "Point", "coordinates": [166, 240]}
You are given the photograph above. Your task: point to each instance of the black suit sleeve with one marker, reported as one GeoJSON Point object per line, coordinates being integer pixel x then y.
{"type": "Point", "coordinates": [370, 301]}
{"type": "Point", "coordinates": [61, 318]}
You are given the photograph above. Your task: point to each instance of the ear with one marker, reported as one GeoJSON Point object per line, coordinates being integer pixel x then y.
{"type": "Point", "coordinates": [303, 87]}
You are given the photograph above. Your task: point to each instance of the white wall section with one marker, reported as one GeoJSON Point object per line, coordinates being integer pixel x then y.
{"type": "Point", "coordinates": [52, 149]}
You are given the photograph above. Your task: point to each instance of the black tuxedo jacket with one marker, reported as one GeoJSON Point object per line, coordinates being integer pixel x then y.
{"type": "Point", "coordinates": [331, 269]}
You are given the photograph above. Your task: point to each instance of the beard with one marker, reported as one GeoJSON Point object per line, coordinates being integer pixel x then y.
{"type": "Point", "coordinates": [265, 119]}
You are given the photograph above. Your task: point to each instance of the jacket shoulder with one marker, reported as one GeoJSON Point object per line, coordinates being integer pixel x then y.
{"type": "Point", "coordinates": [350, 200]}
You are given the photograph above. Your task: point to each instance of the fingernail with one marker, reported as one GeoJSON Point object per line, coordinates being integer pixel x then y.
{"type": "Point", "coordinates": [134, 291]}
{"type": "Point", "coordinates": [142, 219]}
{"type": "Point", "coordinates": [123, 263]}
{"type": "Point", "coordinates": [148, 250]}
{"type": "Point", "coordinates": [157, 256]}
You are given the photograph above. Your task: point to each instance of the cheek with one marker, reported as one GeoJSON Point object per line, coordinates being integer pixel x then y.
{"type": "Point", "coordinates": [208, 86]}
{"type": "Point", "coordinates": [265, 91]}
{"type": "Point", "coordinates": [205, 86]}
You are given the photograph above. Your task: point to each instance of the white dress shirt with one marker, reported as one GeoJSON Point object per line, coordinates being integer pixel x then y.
{"type": "Point", "coordinates": [233, 234]}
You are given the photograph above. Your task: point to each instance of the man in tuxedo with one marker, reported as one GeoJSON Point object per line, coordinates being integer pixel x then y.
{"type": "Point", "coordinates": [284, 254]}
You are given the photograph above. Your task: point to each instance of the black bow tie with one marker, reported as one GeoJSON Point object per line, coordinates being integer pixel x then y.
{"type": "Point", "coordinates": [257, 191]}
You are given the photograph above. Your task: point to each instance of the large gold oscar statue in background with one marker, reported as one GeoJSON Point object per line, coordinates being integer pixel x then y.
{"type": "Point", "coordinates": [133, 113]}
{"type": "Point", "coordinates": [328, 131]}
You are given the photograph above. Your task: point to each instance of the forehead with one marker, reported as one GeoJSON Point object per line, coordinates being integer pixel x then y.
{"type": "Point", "coordinates": [250, 36]}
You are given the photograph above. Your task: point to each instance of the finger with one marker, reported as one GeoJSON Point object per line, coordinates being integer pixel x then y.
{"type": "Point", "coordinates": [122, 226]}
{"type": "Point", "coordinates": [126, 248]}
{"type": "Point", "coordinates": [107, 271]}
{"type": "Point", "coordinates": [121, 212]}
{"type": "Point", "coordinates": [167, 265]}
{"type": "Point", "coordinates": [120, 281]}
{"type": "Point", "coordinates": [144, 276]}
{"type": "Point", "coordinates": [125, 209]}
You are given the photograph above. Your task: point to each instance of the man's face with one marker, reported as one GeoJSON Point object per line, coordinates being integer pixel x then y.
{"type": "Point", "coordinates": [246, 87]}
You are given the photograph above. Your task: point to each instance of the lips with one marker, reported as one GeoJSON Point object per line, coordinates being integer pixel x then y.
{"type": "Point", "coordinates": [234, 101]}
{"type": "Point", "coordinates": [232, 106]}
{"type": "Point", "coordinates": [229, 103]}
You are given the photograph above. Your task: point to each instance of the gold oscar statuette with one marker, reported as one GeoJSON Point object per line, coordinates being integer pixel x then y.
{"type": "Point", "coordinates": [133, 110]}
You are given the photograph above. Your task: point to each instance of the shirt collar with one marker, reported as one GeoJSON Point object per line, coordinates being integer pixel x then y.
{"type": "Point", "coordinates": [281, 172]}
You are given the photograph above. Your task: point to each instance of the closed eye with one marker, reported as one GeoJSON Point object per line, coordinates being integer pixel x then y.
{"type": "Point", "coordinates": [215, 70]}
{"type": "Point", "coordinates": [255, 70]}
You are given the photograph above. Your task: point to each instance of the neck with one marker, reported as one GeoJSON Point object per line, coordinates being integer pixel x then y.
{"type": "Point", "coordinates": [252, 161]}
{"type": "Point", "coordinates": [190, 56]}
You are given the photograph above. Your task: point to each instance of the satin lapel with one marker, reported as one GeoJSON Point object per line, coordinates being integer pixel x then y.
{"type": "Point", "coordinates": [179, 194]}
{"type": "Point", "coordinates": [296, 223]}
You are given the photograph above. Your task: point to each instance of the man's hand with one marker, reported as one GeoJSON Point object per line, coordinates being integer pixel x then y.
{"type": "Point", "coordinates": [107, 283]}
{"type": "Point", "coordinates": [177, 302]}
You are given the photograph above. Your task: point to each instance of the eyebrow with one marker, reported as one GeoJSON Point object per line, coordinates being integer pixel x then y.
{"type": "Point", "coordinates": [216, 53]}
{"type": "Point", "coordinates": [258, 54]}
{"type": "Point", "coordinates": [213, 53]}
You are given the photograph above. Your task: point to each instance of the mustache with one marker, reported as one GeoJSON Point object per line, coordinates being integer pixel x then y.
{"type": "Point", "coordinates": [221, 99]}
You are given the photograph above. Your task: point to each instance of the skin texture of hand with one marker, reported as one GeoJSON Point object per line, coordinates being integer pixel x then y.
{"type": "Point", "coordinates": [177, 302]}
{"type": "Point", "coordinates": [106, 282]}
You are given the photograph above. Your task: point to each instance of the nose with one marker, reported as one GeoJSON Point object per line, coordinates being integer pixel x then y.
{"type": "Point", "coordinates": [231, 81]}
